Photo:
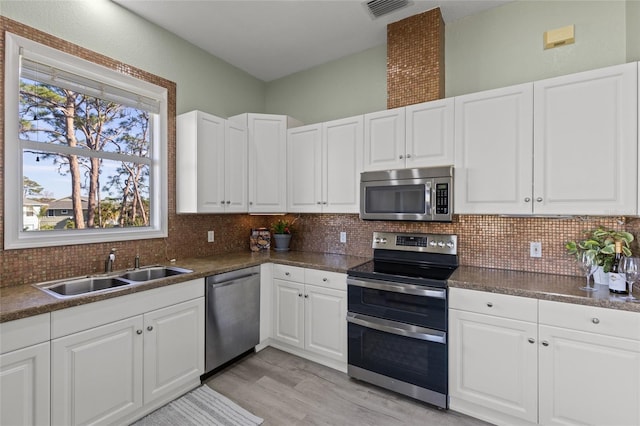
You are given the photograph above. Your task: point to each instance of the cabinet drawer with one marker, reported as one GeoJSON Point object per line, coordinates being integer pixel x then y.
{"type": "Point", "coordinates": [289, 273]}
{"type": "Point", "coordinates": [24, 332]}
{"type": "Point", "coordinates": [500, 305]}
{"type": "Point", "coordinates": [327, 279]}
{"type": "Point", "coordinates": [592, 319]}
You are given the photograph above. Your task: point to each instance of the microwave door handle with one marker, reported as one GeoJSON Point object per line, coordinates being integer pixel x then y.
{"type": "Point", "coordinates": [430, 196]}
{"type": "Point", "coordinates": [404, 288]}
{"type": "Point", "coordinates": [397, 328]}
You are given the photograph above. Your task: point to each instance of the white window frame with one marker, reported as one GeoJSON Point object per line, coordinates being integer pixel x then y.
{"type": "Point", "coordinates": [14, 236]}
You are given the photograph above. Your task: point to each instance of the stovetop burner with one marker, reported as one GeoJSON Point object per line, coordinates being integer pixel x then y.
{"type": "Point", "coordinates": [419, 259]}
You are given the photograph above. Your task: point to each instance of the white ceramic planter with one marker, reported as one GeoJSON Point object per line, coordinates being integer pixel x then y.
{"type": "Point", "coordinates": [600, 277]}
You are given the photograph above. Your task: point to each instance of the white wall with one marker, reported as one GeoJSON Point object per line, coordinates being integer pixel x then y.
{"type": "Point", "coordinates": [203, 81]}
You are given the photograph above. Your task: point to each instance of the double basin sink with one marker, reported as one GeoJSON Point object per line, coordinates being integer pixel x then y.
{"type": "Point", "coordinates": [73, 287]}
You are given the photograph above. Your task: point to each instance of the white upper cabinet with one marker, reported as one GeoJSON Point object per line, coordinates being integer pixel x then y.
{"type": "Point", "coordinates": [419, 135]}
{"type": "Point", "coordinates": [211, 164]}
{"type": "Point", "coordinates": [267, 136]}
{"type": "Point", "coordinates": [384, 135]}
{"type": "Point", "coordinates": [494, 151]}
{"type": "Point", "coordinates": [324, 164]}
{"type": "Point", "coordinates": [585, 155]}
{"type": "Point", "coordinates": [566, 145]}
{"type": "Point", "coordinates": [429, 134]}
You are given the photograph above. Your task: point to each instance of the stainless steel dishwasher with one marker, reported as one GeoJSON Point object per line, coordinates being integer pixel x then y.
{"type": "Point", "coordinates": [232, 316]}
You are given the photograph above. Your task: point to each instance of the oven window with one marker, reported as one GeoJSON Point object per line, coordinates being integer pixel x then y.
{"type": "Point", "coordinates": [396, 199]}
{"type": "Point", "coordinates": [418, 310]}
{"type": "Point", "coordinates": [414, 361]}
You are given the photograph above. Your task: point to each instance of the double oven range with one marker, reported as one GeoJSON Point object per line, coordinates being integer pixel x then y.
{"type": "Point", "coordinates": [397, 315]}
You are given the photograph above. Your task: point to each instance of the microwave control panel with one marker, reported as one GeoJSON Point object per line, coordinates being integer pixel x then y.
{"type": "Point", "coordinates": [442, 198]}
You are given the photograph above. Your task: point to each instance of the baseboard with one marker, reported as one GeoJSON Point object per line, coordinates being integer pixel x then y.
{"type": "Point", "coordinates": [486, 414]}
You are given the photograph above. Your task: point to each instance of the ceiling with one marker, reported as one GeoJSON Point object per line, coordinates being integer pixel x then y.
{"type": "Point", "coordinates": [272, 39]}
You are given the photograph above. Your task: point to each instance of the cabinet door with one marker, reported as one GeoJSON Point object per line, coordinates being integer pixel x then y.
{"type": "Point", "coordinates": [96, 374]}
{"type": "Point", "coordinates": [24, 386]}
{"type": "Point", "coordinates": [325, 322]}
{"type": "Point", "coordinates": [342, 144]}
{"type": "Point", "coordinates": [304, 159]}
{"type": "Point", "coordinates": [430, 134]}
{"type": "Point", "coordinates": [288, 312]}
{"type": "Point", "coordinates": [173, 348]}
{"type": "Point", "coordinates": [200, 163]}
{"type": "Point", "coordinates": [494, 151]}
{"type": "Point", "coordinates": [587, 378]}
{"type": "Point", "coordinates": [267, 135]}
{"type": "Point", "coordinates": [493, 363]}
{"type": "Point", "coordinates": [586, 143]}
{"type": "Point", "coordinates": [236, 168]}
{"type": "Point", "coordinates": [384, 136]}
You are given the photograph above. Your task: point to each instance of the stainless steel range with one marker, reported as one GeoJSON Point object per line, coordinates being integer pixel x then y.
{"type": "Point", "coordinates": [397, 315]}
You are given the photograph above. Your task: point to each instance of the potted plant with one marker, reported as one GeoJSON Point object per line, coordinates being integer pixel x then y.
{"type": "Point", "coordinates": [282, 234]}
{"type": "Point", "coordinates": [600, 243]}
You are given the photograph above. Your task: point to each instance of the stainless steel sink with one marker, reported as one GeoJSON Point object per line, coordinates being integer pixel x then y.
{"type": "Point", "coordinates": [74, 287]}
{"type": "Point", "coordinates": [153, 273]}
{"type": "Point", "coordinates": [80, 286]}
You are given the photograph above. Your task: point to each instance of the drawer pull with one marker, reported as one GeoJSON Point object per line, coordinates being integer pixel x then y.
{"type": "Point", "coordinates": [138, 331]}
{"type": "Point", "coordinates": [545, 343]}
{"type": "Point", "coordinates": [531, 340]}
{"type": "Point", "coordinates": [325, 280]}
{"type": "Point", "coordinates": [490, 305]}
{"type": "Point", "coordinates": [595, 320]}
{"type": "Point", "coordinates": [149, 328]}
{"type": "Point", "coordinates": [287, 274]}
{"type": "Point", "coordinates": [299, 294]}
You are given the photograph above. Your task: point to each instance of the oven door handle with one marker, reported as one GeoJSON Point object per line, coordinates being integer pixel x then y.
{"type": "Point", "coordinates": [404, 288]}
{"type": "Point", "coordinates": [398, 328]}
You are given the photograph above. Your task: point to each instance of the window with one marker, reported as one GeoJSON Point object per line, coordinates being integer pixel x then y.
{"type": "Point", "coordinates": [86, 140]}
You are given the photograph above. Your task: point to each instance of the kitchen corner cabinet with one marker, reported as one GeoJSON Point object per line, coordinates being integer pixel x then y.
{"type": "Point", "coordinates": [565, 145]}
{"type": "Point", "coordinates": [309, 309]}
{"type": "Point", "coordinates": [267, 153]}
{"type": "Point", "coordinates": [212, 167]}
{"type": "Point", "coordinates": [324, 164]}
{"type": "Point", "coordinates": [419, 135]}
{"type": "Point", "coordinates": [493, 355]}
{"type": "Point", "coordinates": [116, 360]}
{"type": "Point", "coordinates": [25, 371]}
{"type": "Point", "coordinates": [524, 361]}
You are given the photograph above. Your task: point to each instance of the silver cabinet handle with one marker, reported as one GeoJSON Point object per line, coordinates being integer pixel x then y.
{"type": "Point", "coordinates": [149, 328]}
{"type": "Point", "coordinates": [490, 305]}
{"type": "Point", "coordinates": [250, 203]}
{"type": "Point", "coordinates": [324, 280]}
{"type": "Point", "coordinates": [401, 156]}
{"type": "Point", "coordinates": [325, 203]}
{"type": "Point", "coordinates": [299, 294]}
{"type": "Point", "coordinates": [138, 331]}
{"type": "Point", "coordinates": [306, 296]}
{"type": "Point", "coordinates": [527, 199]}
{"type": "Point", "coordinates": [539, 199]}
{"type": "Point", "coordinates": [222, 202]}
{"type": "Point", "coordinates": [531, 340]}
{"type": "Point", "coordinates": [408, 155]}
{"type": "Point", "coordinates": [545, 343]}
{"type": "Point", "coordinates": [228, 202]}
{"type": "Point", "coordinates": [319, 202]}
{"type": "Point", "coordinates": [595, 321]}
{"type": "Point", "coordinates": [287, 274]}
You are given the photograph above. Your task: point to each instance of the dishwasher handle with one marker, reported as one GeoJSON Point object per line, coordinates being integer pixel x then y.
{"type": "Point", "coordinates": [230, 276]}
{"type": "Point", "coordinates": [213, 285]}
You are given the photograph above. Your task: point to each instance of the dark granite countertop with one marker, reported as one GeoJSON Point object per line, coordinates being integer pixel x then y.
{"type": "Point", "coordinates": [25, 300]}
{"type": "Point", "coordinates": [559, 288]}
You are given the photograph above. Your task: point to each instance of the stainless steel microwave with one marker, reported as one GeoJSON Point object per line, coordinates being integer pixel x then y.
{"type": "Point", "coordinates": [424, 194]}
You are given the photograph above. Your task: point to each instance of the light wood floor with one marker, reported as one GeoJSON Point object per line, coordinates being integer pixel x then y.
{"type": "Point", "coordinates": [284, 389]}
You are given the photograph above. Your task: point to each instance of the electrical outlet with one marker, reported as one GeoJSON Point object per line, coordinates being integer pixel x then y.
{"type": "Point", "coordinates": [343, 237]}
{"type": "Point", "coordinates": [535, 249]}
{"type": "Point", "coordinates": [210, 236]}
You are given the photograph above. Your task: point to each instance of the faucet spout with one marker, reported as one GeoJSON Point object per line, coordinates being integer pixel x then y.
{"type": "Point", "coordinates": [108, 264]}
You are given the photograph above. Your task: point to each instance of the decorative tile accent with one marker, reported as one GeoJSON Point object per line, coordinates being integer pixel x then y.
{"type": "Point", "coordinates": [415, 59]}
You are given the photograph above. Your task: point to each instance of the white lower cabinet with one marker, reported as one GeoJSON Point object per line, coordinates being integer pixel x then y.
{"type": "Point", "coordinates": [24, 372]}
{"type": "Point", "coordinates": [589, 365]}
{"type": "Point", "coordinates": [514, 360]}
{"type": "Point", "coordinates": [122, 369]}
{"type": "Point", "coordinates": [309, 310]}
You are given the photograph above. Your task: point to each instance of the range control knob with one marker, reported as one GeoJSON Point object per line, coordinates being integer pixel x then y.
{"type": "Point", "coordinates": [432, 243]}
{"type": "Point", "coordinates": [440, 243]}
{"type": "Point", "coordinates": [450, 244]}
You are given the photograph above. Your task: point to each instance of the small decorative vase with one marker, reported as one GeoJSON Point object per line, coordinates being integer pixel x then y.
{"type": "Point", "coordinates": [282, 242]}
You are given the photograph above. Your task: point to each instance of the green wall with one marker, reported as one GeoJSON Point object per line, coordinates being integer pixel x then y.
{"type": "Point", "coordinates": [633, 30]}
{"type": "Point", "coordinates": [203, 81]}
{"type": "Point", "coordinates": [342, 88]}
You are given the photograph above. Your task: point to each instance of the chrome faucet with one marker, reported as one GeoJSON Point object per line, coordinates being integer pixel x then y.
{"type": "Point", "coordinates": [108, 264]}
